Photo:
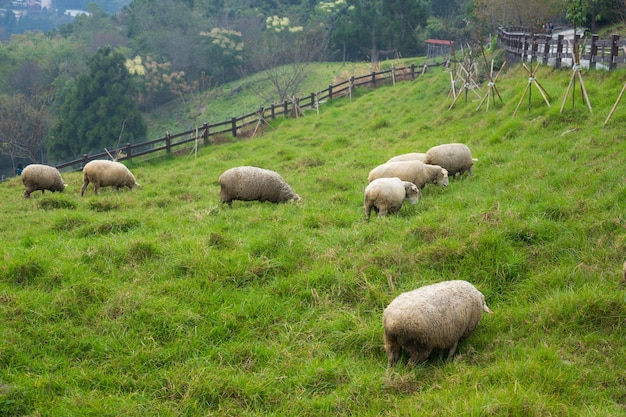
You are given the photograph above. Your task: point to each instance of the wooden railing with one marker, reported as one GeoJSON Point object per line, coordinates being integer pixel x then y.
{"type": "Point", "coordinates": [244, 125]}
{"type": "Point", "coordinates": [557, 50]}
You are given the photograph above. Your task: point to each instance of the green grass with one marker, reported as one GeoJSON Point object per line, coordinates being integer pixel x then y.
{"type": "Point", "coordinates": [161, 301]}
{"type": "Point", "coordinates": [245, 96]}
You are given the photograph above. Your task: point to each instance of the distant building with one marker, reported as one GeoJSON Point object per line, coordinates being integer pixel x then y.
{"type": "Point", "coordinates": [76, 12]}
{"type": "Point", "coordinates": [439, 47]}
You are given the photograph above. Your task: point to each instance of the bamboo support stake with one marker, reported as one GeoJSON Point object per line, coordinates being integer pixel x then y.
{"type": "Point", "coordinates": [619, 98]}
{"type": "Point", "coordinates": [492, 88]}
{"type": "Point", "coordinates": [452, 88]}
{"type": "Point", "coordinates": [572, 82]}
{"type": "Point", "coordinates": [532, 80]}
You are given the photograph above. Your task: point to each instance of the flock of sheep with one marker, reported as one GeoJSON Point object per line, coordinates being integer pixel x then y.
{"type": "Point", "coordinates": [431, 318]}
{"type": "Point", "coordinates": [101, 173]}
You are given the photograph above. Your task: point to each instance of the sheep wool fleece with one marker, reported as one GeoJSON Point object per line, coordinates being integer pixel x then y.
{"type": "Point", "coordinates": [432, 317]}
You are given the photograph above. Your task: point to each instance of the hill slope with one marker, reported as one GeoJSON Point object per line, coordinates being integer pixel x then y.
{"type": "Point", "coordinates": [164, 302]}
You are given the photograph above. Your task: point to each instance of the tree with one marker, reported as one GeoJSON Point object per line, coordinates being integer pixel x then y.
{"type": "Point", "coordinates": [283, 56]}
{"type": "Point", "coordinates": [377, 25]}
{"type": "Point", "coordinates": [602, 11]}
{"type": "Point", "coordinates": [100, 111]}
{"type": "Point", "coordinates": [24, 122]}
{"type": "Point", "coordinates": [531, 14]}
{"type": "Point", "coordinates": [170, 32]}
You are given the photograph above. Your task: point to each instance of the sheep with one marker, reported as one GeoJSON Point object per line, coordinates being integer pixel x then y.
{"type": "Point", "coordinates": [41, 177]}
{"type": "Point", "coordinates": [103, 173]}
{"type": "Point", "coordinates": [416, 172]}
{"type": "Point", "coordinates": [455, 157]}
{"type": "Point", "coordinates": [435, 316]}
{"type": "Point", "coordinates": [413, 156]}
{"type": "Point", "coordinates": [248, 183]}
{"type": "Point", "coordinates": [386, 195]}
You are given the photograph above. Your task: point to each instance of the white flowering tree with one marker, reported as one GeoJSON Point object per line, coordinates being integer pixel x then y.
{"type": "Point", "coordinates": [283, 55]}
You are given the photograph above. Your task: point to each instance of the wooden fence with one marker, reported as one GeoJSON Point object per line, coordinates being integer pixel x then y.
{"type": "Point", "coordinates": [243, 125]}
{"type": "Point", "coordinates": [557, 50]}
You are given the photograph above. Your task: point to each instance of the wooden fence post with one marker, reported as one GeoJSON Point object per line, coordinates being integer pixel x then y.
{"type": "Point", "coordinates": [614, 52]}
{"type": "Point", "coordinates": [525, 47]}
{"type": "Point", "coordinates": [412, 71]}
{"type": "Point", "coordinates": [168, 143]}
{"type": "Point", "coordinates": [85, 159]}
{"type": "Point", "coordinates": [559, 52]}
{"type": "Point", "coordinates": [129, 151]}
{"type": "Point", "coordinates": [593, 52]}
{"type": "Point", "coordinates": [373, 78]}
{"type": "Point", "coordinates": [286, 108]}
{"type": "Point", "coordinates": [273, 111]}
{"type": "Point", "coordinates": [330, 92]}
{"type": "Point", "coordinates": [534, 49]}
{"type": "Point", "coordinates": [233, 127]}
{"type": "Point", "coordinates": [205, 134]}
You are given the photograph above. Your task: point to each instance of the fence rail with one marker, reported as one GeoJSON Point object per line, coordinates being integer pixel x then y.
{"type": "Point", "coordinates": [237, 126]}
{"type": "Point", "coordinates": [557, 50]}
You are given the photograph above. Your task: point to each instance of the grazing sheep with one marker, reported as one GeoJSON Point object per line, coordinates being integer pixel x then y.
{"type": "Point", "coordinates": [416, 172]}
{"type": "Point", "coordinates": [455, 157]}
{"type": "Point", "coordinates": [413, 156]}
{"type": "Point", "coordinates": [103, 173]}
{"type": "Point", "coordinates": [248, 183]}
{"type": "Point", "coordinates": [41, 177]}
{"type": "Point", "coordinates": [386, 195]}
{"type": "Point", "coordinates": [432, 317]}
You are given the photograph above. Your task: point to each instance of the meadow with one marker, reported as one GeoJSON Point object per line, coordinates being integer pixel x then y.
{"type": "Point", "coordinates": [163, 302]}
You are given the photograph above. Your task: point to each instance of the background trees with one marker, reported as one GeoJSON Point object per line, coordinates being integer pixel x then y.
{"type": "Point", "coordinates": [100, 111]}
{"type": "Point", "coordinates": [189, 46]}
{"type": "Point", "coordinates": [24, 123]}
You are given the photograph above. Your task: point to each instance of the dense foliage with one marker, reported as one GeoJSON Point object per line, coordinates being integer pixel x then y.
{"type": "Point", "coordinates": [100, 110]}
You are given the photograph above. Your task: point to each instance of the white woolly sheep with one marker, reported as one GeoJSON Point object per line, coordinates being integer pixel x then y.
{"type": "Point", "coordinates": [247, 183]}
{"type": "Point", "coordinates": [41, 177]}
{"type": "Point", "coordinates": [413, 156]}
{"type": "Point", "coordinates": [455, 157]}
{"type": "Point", "coordinates": [103, 173]}
{"type": "Point", "coordinates": [386, 195]}
{"type": "Point", "coordinates": [416, 172]}
{"type": "Point", "coordinates": [433, 317]}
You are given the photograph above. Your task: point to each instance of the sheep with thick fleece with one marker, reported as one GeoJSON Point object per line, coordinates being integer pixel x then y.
{"type": "Point", "coordinates": [41, 177]}
{"type": "Point", "coordinates": [416, 172]}
{"type": "Point", "coordinates": [386, 195]}
{"type": "Point", "coordinates": [103, 173]}
{"type": "Point", "coordinates": [248, 183]}
{"type": "Point", "coordinates": [433, 317]}
{"type": "Point", "coordinates": [413, 156]}
{"type": "Point", "coordinates": [455, 157]}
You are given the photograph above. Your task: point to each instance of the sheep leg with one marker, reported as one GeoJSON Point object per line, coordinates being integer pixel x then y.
{"type": "Point", "coordinates": [452, 350]}
{"type": "Point", "coordinates": [84, 187]}
{"type": "Point", "coordinates": [393, 350]}
{"type": "Point", "coordinates": [368, 211]}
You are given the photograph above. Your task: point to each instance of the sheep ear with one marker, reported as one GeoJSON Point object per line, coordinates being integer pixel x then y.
{"type": "Point", "coordinates": [487, 309]}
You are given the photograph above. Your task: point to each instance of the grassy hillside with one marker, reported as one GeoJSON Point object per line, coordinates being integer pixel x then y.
{"type": "Point", "coordinates": [247, 95]}
{"type": "Point", "coordinates": [161, 301]}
